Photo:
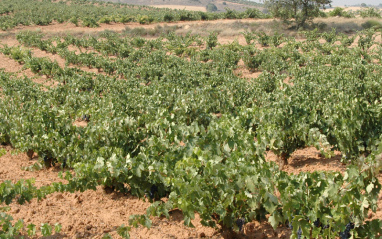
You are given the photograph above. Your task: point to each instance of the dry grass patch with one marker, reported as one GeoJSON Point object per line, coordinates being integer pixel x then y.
{"type": "Point", "coordinates": [182, 7]}
{"type": "Point", "coordinates": [347, 25]}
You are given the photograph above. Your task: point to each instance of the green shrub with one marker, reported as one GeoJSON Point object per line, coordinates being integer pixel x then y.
{"type": "Point", "coordinates": [212, 40]}
{"type": "Point", "coordinates": [89, 22]}
{"type": "Point", "coordinates": [124, 18]}
{"type": "Point", "coordinates": [204, 16]}
{"type": "Point", "coordinates": [340, 12]}
{"type": "Point", "coordinates": [277, 39]}
{"type": "Point", "coordinates": [370, 12]}
{"type": "Point", "coordinates": [211, 7]}
{"type": "Point", "coordinates": [168, 17]}
{"type": "Point", "coordinates": [74, 20]}
{"type": "Point", "coordinates": [43, 21]}
{"type": "Point", "coordinates": [186, 16]}
{"type": "Point", "coordinates": [263, 38]}
{"type": "Point", "coordinates": [20, 54]}
{"type": "Point", "coordinates": [106, 19]}
{"type": "Point", "coordinates": [138, 42]}
{"type": "Point", "coordinates": [346, 40]}
{"type": "Point", "coordinates": [253, 13]}
{"type": "Point", "coordinates": [248, 37]}
{"type": "Point", "coordinates": [60, 19]}
{"type": "Point", "coordinates": [231, 14]}
{"type": "Point", "coordinates": [323, 14]}
{"type": "Point", "coordinates": [144, 19]}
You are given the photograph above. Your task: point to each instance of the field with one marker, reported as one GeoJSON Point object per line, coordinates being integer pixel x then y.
{"type": "Point", "coordinates": [190, 8]}
{"type": "Point", "coordinates": [199, 5]}
{"type": "Point", "coordinates": [224, 128]}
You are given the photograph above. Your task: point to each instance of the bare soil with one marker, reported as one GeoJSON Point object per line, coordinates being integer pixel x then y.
{"type": "Point", "coordinates": [182, 7]}
{"type": "Point", "coordinates": [10, 65]}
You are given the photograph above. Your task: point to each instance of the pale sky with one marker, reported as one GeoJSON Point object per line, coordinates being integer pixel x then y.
{"type": "Point", "coordinates": [354, 2]}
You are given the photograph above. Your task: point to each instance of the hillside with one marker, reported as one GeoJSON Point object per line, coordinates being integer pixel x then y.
{"type": "Point", "coordinates": [194, 5]}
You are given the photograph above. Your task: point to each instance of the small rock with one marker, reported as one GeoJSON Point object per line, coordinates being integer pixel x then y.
{"type": "Point", "coordinates": [250, 228]}
{"type": "Point", "coordinates": [88, 227]}
{"type": "Point", "coordinates": [59, 197]}
{"type": "Point", "coordinates": [79, 200]}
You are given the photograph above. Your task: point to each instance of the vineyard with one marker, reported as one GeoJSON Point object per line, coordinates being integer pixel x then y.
{"type": "Point", "coordinates": [87, 13]}
{"type": "Point", "coordinates": [172, 121]}
{"type": "Point", "coordinates": [93, 13]}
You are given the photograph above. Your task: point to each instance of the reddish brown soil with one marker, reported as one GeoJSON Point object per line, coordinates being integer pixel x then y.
{"type": "Point", "coordinates": [310, 160]}
{"type": "Point", "coordinates": [243, 72]}
{"type": "Point", "coordinates": [13, 66]}
{"type": "Point", "coordinates": [181, 7]}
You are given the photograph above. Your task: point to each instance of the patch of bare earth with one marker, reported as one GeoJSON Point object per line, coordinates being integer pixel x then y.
{"type": "Point", "coordinates": [12, 165]}
{"type": "Point", "coordinates": [53, 57]}
{"type": "Point", "coordinates": [310, 159]}
{"type": "Point", "coordinates": [9, 41]}
{"type": "Point", "coordinates": [80, 123]}
{"type": "Point", "coordinates": [13, 66]}
{"type": "Point", "coordinates": [182, 7]}
{"type": "Point", "coordinates": [243, 72]}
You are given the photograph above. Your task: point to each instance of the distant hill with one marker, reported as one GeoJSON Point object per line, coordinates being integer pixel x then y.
{"type": "Point", "coordinates": [196, 5]}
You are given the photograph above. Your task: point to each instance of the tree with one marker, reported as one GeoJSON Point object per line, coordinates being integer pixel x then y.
{"type": "Point", "coordinates": [211, 7]}
{"type": "Point", "coordinates": [301, 11]}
